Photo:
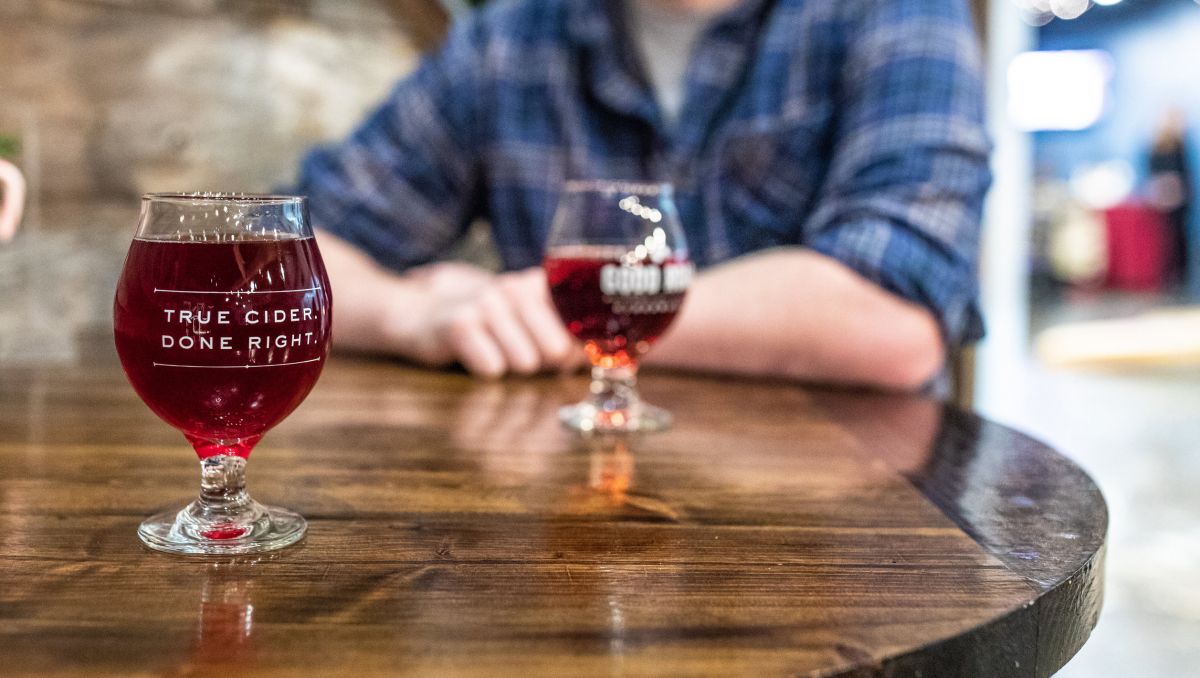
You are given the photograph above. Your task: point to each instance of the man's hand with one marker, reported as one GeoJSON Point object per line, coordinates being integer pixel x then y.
{"type": "Point", "coordinates": [491, 324]}
{"type": "Point", "coordinates": [447, 312]}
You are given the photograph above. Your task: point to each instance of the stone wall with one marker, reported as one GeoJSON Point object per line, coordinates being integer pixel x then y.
{"type": "Point", "coordinates": [113, 98]}
{"type": "Point", "coordinates": [116, 97]}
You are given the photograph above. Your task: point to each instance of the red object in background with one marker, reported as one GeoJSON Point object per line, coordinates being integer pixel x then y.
{"type": "Point", "coordinates": [1137, 247]}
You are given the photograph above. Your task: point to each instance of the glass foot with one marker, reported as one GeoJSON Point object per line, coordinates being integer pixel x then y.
{"type": "Point", "coordinates": [255, 529]}
{"type": "Point", "coordinates": [587, 418]}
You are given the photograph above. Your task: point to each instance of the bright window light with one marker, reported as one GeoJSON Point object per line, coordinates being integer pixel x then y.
{"type": "Point", "coordinates": [1058, 90]}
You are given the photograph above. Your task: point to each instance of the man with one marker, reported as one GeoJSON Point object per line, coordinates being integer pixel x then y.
{"type": "Point", "coordinates": [829, 162]}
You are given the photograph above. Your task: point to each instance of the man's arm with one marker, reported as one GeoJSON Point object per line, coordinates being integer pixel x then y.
{"type": "Point", "coordinates": [799, 314]}
{"type": "Point", "coordinates": [392, 197]}
{"type": "Point", "coordinates": [886, 284]}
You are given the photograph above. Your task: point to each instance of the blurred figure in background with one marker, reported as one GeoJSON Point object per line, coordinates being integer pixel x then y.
{"type": "Point", "coordinates": [1171, 191]}
{"type": "Point", "coordinates": [829, 160]}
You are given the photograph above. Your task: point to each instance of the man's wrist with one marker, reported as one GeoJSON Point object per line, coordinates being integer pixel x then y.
{"type": "Point", "coordinates": [404, 306]}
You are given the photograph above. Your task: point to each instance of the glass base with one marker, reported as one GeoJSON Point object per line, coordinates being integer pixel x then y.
{"type": "Point", "coordinates": [256, 529]}
{"type": "Point", "coordinates": [585, 417]}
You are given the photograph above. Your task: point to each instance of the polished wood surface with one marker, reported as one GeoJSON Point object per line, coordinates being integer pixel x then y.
{"type": "Point", "coordinates": [455, 529]}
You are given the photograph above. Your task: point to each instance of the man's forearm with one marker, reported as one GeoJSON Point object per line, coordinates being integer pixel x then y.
{"type": "Point", "coordinates": [365, 295]}
{"type": "Point", "coordinates": [798, 314]}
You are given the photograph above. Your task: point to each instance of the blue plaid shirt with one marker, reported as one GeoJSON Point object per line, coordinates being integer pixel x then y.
{"type": "Point", "coordinates": [852, 127]}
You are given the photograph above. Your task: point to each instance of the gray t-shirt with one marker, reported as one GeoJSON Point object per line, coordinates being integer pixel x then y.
{"type": "Point", "coordinates": [664, 39]}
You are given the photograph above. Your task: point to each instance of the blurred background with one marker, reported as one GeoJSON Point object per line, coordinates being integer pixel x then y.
{"type": "Point", "coordinates": [1090, 267]}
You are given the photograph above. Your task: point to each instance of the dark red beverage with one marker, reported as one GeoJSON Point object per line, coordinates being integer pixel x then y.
{"type": "Point", "coordinates": [617, 306]}
{"type": "Point", "coordinates": [223, 339]}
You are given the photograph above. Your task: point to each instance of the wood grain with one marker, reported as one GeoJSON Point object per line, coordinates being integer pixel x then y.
{"type": "Point", "coordinates": [456, 529]}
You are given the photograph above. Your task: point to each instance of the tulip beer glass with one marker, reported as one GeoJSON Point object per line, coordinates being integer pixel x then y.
{"type": "Point", "coordinates": [618, 268]}
{"type": "Point", "coordinates": [222, 318]}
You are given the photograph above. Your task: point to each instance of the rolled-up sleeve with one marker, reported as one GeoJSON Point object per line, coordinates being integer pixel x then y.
{"type": "Point", "coordinates": [403, 186]}
{"type": "Point", "coordinates": [902, 201]}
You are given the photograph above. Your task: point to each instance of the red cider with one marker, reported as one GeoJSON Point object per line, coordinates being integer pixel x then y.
{"type": "Point", "coordinates": [223, 339]}
{"type": "Point", "coordinates": [618, 306]}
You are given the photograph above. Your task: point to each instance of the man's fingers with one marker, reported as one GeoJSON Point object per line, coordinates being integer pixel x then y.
{"type": "Point", "coordinates": [575, 361]}
{"type": "Point", "coordinates": [527, 293]}
{"type": "Point", "coordinates": [520, 351]}
{"type": "Point", "coordinates": [512, 326]}
{"type": "Point", "coordinates": [474, 345]}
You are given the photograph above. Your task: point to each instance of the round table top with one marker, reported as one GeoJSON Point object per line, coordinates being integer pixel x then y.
{"type": "Point", "coordinates": [456, 529]}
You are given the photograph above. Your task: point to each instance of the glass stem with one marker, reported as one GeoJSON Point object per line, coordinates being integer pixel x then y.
{"type": "Point", "coordinates": [614, 389]}
{"type": "Point", "coordinates": [222, 487]}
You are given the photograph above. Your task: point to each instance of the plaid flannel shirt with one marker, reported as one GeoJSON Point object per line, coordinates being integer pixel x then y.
{"type": "Point", "coordinates": [852, 127]}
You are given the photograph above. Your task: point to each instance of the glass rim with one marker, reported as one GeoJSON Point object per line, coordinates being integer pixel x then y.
{"type": "Point", "coordinates": [220, 198]}
{"type": "Point", "coordinates": [634, 187]}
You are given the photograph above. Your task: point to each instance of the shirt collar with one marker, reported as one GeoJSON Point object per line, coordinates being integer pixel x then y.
{"type": "Point", "coordinates": [608, 58]}
{"type": "Point", "coordinates": [608, 61]}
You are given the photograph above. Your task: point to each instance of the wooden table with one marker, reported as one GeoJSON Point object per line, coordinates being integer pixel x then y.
{"type": "Point", "coordinates": [455, 529]}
